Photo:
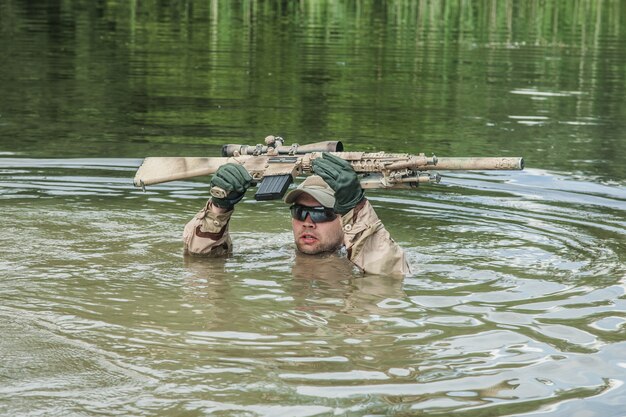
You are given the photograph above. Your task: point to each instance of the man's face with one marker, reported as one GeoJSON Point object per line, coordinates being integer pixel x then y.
{"type": "Point", "coordinates": [315, 238]}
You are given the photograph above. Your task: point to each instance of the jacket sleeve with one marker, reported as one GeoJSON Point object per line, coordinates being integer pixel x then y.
{"type": "Point", "coordinates": [369, 245]}
{"type": "Point", "coordinates": [207, 233]}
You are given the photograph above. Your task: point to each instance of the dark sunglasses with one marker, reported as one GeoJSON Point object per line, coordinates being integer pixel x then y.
{"type": "Point", "coordinates": [318, 214]}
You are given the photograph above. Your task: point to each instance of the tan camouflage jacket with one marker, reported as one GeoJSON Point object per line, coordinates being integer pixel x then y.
{"type": "Point", "coordinates": [366, 240]}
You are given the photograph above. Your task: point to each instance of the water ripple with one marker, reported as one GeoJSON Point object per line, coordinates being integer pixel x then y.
{"type": "Point", "coordinates": [516, 299]}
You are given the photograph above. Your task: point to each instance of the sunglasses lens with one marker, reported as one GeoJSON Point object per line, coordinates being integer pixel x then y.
{"type": "Point", "coordinates": [318, 214]}
{"type": "Point", "coordinates": [296, 213]}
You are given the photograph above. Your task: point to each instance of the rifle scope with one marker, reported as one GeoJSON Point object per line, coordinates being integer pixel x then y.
{"type": "Point", "coordinates": [295, 149]}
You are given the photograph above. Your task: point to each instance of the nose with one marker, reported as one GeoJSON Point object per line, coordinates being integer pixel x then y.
{"type": "Point", "coordinates": [308, 222]}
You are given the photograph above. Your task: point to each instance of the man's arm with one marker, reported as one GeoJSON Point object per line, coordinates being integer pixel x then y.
{"type": "Point", "coordinates": [207, 233]}
{"type": "Point", "coordinates": [368, 243]}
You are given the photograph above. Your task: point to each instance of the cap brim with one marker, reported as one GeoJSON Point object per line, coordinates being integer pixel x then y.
{"type": "Point", "coordinates": [322, 197]}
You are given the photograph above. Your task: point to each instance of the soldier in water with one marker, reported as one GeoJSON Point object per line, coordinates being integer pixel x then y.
{"type": "Point", "coordinates": [329, 211]}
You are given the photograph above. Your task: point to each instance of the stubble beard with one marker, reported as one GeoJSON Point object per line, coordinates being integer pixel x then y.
{"type": "Point", "coordinates": [318, 249]}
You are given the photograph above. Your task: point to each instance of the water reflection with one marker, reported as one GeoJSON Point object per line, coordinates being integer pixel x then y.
{"type": "Point", "coordinates": [327, 268]}
{"type": "Point", "coordinates": [136, 79]}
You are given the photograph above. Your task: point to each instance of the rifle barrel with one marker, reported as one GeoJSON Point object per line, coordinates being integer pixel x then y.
{"type": "Point", "coordinates": [479, 163]}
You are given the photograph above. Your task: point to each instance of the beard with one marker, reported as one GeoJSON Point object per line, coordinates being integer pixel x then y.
{"type": "Point", "coordinates": [319, 248]}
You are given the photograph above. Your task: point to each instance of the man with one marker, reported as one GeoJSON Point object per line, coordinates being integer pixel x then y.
{"type": "Point", "coordinates": [329, 213]}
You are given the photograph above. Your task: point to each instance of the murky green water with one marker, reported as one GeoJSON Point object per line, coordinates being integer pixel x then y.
{"type": "Point", "coordinates": [517, 303]}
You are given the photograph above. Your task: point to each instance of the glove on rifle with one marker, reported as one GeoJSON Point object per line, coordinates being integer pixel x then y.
{"type": "Point", "coordinates": [234, 180]}
{"type": "Point", "coordinates": [340, 176]}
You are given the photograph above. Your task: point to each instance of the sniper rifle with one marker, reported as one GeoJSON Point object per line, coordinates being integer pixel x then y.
{"type": "Point", "coordinates": [275, 165]}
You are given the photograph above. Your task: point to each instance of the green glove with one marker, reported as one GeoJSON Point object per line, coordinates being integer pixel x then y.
{"type": "Point", "coordinates": [234, 180]}
{"type": "Point", "coordinates": [340, 176]}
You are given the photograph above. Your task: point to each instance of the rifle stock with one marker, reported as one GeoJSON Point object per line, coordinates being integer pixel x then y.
{"type": "Point", "coordinates": [378, 169]}
{"type": "Point", "coordinates": [155, 170]}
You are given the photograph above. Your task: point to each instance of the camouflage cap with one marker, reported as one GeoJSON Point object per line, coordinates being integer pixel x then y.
{"type": "Point", "coordinates": [317, 188]}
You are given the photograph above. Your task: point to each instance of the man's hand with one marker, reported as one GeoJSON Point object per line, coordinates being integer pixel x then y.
{"type": "Point", "coordinates": [234, 180]}
{"type": "Point", "coordinates": [340, 176]}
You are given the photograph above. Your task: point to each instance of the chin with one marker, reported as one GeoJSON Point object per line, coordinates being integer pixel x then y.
{"type": "Point", "coordinates": [308, 250]}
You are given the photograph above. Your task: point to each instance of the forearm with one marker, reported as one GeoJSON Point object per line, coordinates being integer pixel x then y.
{"type": "Point", "coordinates": [207, 233]}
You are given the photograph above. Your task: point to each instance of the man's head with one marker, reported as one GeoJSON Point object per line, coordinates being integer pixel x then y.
{"type": "Point", "coordinates": [316, 226]}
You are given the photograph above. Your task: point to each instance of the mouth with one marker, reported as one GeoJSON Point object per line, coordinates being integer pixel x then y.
{"type": "Point", "coordinates": [308, 238]}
